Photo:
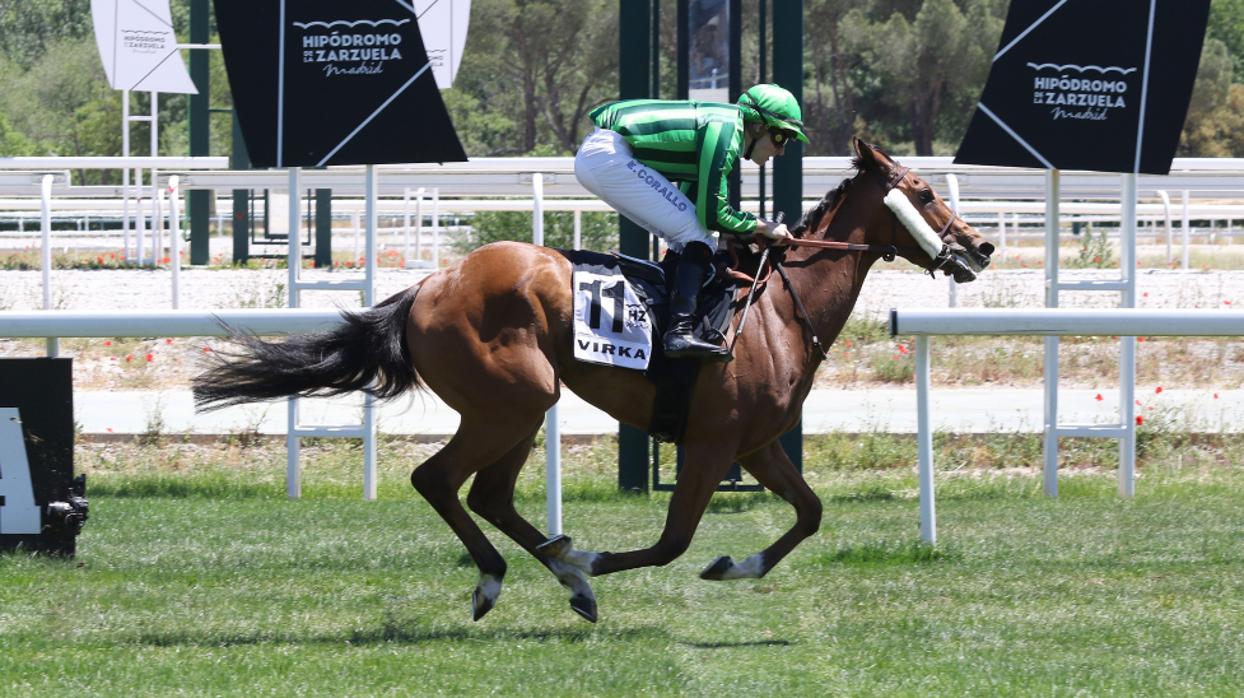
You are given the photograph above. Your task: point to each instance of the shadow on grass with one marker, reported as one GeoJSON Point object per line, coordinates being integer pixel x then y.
{"type": "Point", "coordinates": [886, 553]}
{"type": "Point", "coordinates": [396, 632]}
{"type": "Point", "coordinates": [870, 493]}
{"type": "Point", "coordinates": [740, 644]}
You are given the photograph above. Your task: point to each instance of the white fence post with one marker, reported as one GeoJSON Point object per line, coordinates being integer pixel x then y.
{"type": "Point", "coordinates": [924, 434]}
{"type": "Point", "coordinates": [952, 190]}
{"type": "Point", "coordinates": [552, 418]}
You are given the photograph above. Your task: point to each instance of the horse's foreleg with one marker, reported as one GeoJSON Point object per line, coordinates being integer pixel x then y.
{"type": "Point", "coordinates": [696, 484]}
{"type": "Point", "coordinates": [440, 477]}
{"type": "Point", "coordinates": [773, 469]}
{"type": "Point", "coordinates": [492, 497]}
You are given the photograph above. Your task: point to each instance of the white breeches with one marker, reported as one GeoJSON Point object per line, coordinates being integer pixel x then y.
{"type": "Point", "coordinates": [604, 166]}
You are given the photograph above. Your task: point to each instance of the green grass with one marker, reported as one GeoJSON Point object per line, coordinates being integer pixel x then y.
{"type": "Point", "coordinates": [222, 586]}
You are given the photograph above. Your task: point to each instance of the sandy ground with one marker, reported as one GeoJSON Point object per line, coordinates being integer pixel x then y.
{"type": "Point", "coordinates": [884, 289]}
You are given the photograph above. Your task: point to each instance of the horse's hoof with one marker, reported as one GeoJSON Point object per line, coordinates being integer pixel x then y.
{"type": "Point", "coordinates": [485, 595]}
{"type": "Point", "coordinates": [555, 547]}
{"type": "Point", "coordinates": [717, 571]}
{"type": "Point", "coordinates": [585, 606]}
{"type": "Point", "coordinates": [480, 604]}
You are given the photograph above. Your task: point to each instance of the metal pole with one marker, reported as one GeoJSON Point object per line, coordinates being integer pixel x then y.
{"type": "Point", "coordinates": [1001, 234]}
{"type": "Point", "coordinates": [928, 515]}
{"type": "Point", "coordinates": [155, 185]}
{"type": "Point", "coordinates": [578, 230]}
{"type": "Point", "coordinates": [419, 225]}
{"type": "Point", "coordinates": [125, 175]}
{"type": "Point", "coordinates": [1051, 342]}
{"type": "Point", "coordinates": [1186, 232]}
{"type": "Point", "coordinates": [436, 228]}
{"type": "Point", "coordinates": [552, 419]}
{"type": "Point", "coordinates": [1170, 226]}
{"type": "Point", "coordinates": [406, 223]}
{"type": "Point", "coordinates": [1127, 345]}
{"type": "Point", "coordinates": [293, 257]}
{"type": "Point", "coordinates": [952, 189]}
{"type": "Point", "coordinates": [45, 192]}
{"type": "Point", "coordinates": [140, 223]}
{"type": "Point", "coordinates": [174, 226]}
{"type": "Point", "coordinates": [369, 402]}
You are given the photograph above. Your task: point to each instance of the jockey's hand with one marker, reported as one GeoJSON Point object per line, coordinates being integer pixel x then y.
{"type": "Point", "coordinates": [777, 232]}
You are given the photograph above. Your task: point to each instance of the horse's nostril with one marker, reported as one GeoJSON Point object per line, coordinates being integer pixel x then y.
{"type": "Point", "coordinates": [986, 249]}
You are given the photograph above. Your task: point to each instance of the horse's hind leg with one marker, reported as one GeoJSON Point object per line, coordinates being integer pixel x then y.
{"type": "Point", "coordinates": [438, 479]}
{"type": "Point", "coordinates": [773, 469]}
{"type": "Point", "coordinates": [492, 497]}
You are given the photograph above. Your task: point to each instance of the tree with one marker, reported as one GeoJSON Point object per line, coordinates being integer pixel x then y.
{"type": "Point", "coordinates": [829, 107]}
{"type": "Point", "coordinates": [12, 142]}
{"type": "Point", "coordinates": [540, 65]}
{"type": "Point", "coordinates": [1203, 134]}
{"type": "Point", "coordinates": [909, 68]}
{"type": "Point", "coordinates": [1226, 24]}
{"type": "Point", "coordinates": [28, 26]}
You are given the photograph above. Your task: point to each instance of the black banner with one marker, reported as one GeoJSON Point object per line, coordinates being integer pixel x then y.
{"type": "Point", "coordinates": [1089, 85]}
{"type": "Point", "coordinates": [42, 506]}
{"type": "Point", "coordinates": [324, 82]}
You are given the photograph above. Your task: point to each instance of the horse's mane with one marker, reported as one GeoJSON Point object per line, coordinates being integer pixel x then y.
{"type": "Point", "coordinates": [813, 217]}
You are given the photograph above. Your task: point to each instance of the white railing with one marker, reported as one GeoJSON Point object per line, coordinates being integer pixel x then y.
{"type": "Point", "coordinates": [195, 323]}
{"type": "Point", "coordinates": [1121, 322]}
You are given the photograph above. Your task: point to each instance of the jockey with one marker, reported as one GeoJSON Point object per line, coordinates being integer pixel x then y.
{"type": "Point", "coordinates": [642, 146]}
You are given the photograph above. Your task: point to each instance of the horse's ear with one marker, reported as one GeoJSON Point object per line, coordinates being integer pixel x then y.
{"type": "Point", "coordinates": [866, 156]}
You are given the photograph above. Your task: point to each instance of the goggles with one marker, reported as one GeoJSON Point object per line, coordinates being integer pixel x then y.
{"type": "Point", "coordinates": [780, 136]}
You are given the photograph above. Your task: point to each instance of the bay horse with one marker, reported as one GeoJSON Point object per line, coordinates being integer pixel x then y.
{"type": "Point", "coordinates": [492, 337]}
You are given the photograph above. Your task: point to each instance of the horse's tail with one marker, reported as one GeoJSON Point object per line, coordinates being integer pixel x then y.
{"type": "Point", "coordinates": [366, 352]}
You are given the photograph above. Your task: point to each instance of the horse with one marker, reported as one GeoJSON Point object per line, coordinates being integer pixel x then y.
{"type": "Point", "coordinates": [492, 337]}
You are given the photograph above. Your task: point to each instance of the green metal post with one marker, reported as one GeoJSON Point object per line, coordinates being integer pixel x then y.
{"type": "Point", "coordinates": [198, 202]}
{"type": "Point", "coordinates": [788, 169]}
{"type": "Point", "coordinates": [635, 52]}
{"type": "Point", "coordinates": [323, 228]}
{"type": "Point", "coordinates": [240, 160]}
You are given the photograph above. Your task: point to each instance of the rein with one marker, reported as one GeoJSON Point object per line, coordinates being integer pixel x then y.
{"type": "Point", "coordinates": [887, 252]}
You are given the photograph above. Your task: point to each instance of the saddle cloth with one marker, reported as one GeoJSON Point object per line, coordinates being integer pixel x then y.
{"type": "Point", "coordinates": [622, 293]}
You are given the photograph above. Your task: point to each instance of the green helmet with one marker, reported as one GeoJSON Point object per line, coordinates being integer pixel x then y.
{"type": "Point", "coordinates": [773, 106]}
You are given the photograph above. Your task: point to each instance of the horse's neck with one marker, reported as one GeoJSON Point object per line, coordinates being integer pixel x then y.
{"type": "Point", "coordinates": [830, 283]}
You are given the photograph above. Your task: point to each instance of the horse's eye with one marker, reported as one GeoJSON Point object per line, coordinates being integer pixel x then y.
{"type": "Point", "coordinates": [926, 196]}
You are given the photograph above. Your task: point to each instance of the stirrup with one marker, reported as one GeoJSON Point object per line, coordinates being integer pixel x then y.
{"type": "Point", "coordinates": [686, 346]}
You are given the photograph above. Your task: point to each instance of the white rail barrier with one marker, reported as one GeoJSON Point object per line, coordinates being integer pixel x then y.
{"type": "Point", "coordinates": [162, 323]}
{"type": "Point", "coordinates": [199, 323]}
{"type": "Point", "coordinates": [1123, 322]}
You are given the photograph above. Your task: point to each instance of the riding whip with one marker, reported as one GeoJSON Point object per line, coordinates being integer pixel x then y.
{"type": "Point", "coordinates": [751, 293]}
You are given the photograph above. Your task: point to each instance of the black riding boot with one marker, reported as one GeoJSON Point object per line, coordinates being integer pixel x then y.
{"type": "Point", "coordinates": [688, 278]}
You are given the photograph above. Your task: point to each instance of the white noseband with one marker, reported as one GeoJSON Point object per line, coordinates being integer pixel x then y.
{"type": "Point", "coordinates": [911, 219]}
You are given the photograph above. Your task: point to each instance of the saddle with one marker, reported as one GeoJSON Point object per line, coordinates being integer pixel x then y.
{"type": "Point", "coordinates": [720, 298]}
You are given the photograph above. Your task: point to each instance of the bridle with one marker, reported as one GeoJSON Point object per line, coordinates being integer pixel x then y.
{"type": "Point", "coordinates": [888, 252]}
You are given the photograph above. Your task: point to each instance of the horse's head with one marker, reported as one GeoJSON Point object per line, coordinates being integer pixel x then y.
{"type": "Point", "coordinates": [923, 229]}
